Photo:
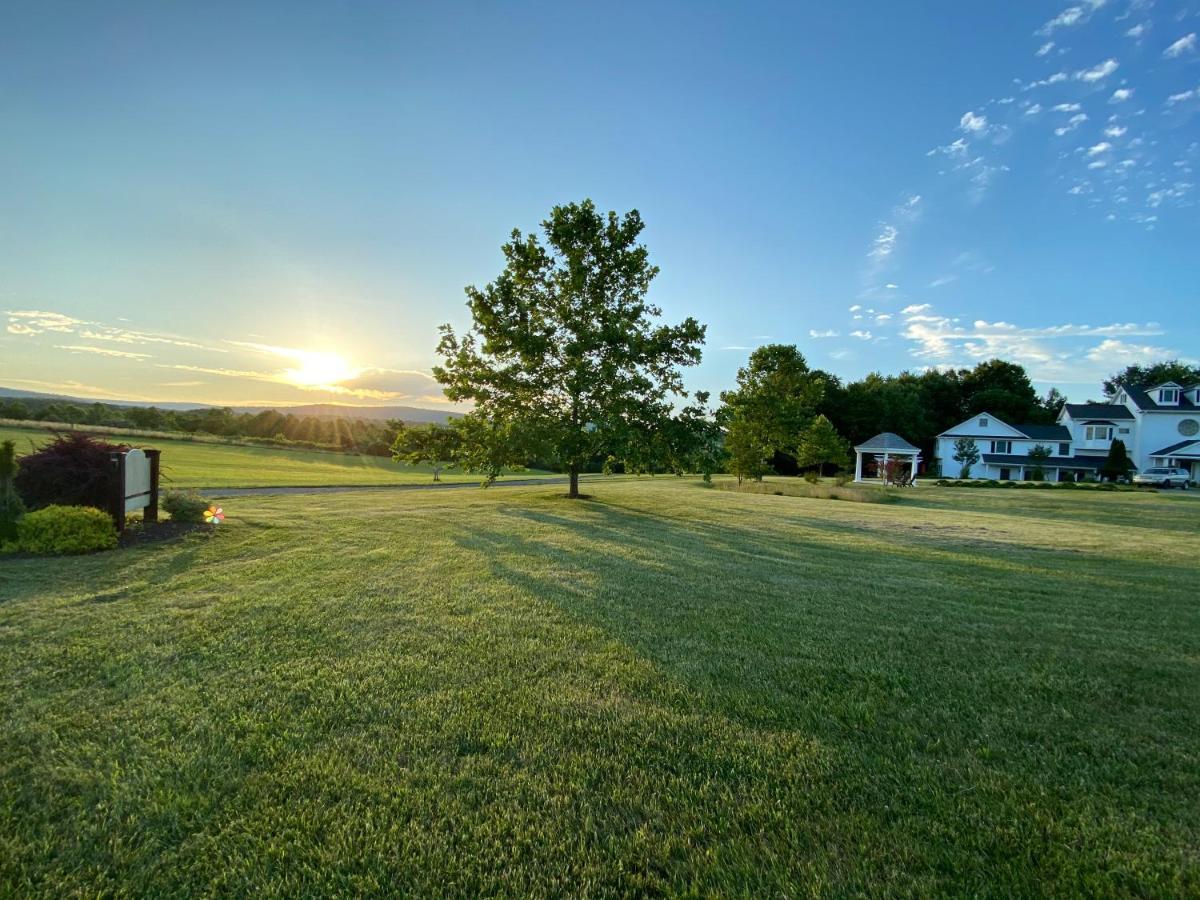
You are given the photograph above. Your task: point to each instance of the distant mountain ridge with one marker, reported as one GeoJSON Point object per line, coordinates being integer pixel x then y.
{"type": "Point", "coordinates": [320, 410]}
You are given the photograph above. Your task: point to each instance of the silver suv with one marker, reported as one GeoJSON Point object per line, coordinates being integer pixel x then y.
{"type": "Point", "coordinates": [1163, 477]}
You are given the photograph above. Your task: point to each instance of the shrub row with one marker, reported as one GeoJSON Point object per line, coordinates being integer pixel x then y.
{"type": "Point", "coordinates": [1037, 485]}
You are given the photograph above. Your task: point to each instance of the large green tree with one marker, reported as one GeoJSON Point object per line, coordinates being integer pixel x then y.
{"type": "Point", "coordinates": [776, 398]}
{"type": "Point", "coordinates": [565, 356]}
{"type": "Point", "coordinates": [1003, 389]}
{"type": "Point", "coordinates": [821, 445]}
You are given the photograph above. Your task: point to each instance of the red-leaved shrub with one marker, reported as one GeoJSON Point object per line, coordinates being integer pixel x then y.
{"type": "Point", "coordinates": [74, 469]}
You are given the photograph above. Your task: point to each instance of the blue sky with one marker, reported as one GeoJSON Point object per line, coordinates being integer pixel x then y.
{"type": "Point", "coordinates": [281, 202]}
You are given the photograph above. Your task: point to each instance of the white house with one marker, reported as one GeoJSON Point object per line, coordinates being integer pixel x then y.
{"type": "Point", "coordinates": [1160, 426]}
{"type": "Point", "coordinates": [1004, 450]}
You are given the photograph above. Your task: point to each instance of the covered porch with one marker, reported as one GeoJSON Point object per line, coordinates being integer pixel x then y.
{"type": "Point", "coordinates": [883, 448]}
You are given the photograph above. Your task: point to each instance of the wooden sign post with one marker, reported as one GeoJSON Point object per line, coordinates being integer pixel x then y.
{"type": "Point", "coordinates": [136, 485]}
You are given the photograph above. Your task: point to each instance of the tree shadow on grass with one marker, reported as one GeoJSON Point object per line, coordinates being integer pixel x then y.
{"type": "Point", "coordinates": [930, 670]}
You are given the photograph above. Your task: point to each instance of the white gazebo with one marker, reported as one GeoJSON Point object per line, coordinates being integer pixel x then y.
{"type": "Point", "coordinates": [884, 447]}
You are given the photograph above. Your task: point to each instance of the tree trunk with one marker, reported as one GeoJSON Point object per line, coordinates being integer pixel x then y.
{"type": "Point", "coordinates": [573, 491]}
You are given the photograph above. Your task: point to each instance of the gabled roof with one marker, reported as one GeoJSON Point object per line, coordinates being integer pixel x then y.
{"type": "Point", "coordinates": [1175, 449]}
{"type": "Point", "coordinates": [1082, 412]}
{"type": "Point", "coordinates": [1045, 432]}
{"type": "Point", "coordinates": [1142, 400]}
{"type": "Point", "coordinates": [888, 441]}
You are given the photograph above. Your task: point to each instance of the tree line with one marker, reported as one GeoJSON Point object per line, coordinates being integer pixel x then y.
{"type": "Point", "coordinates": [346, 433]}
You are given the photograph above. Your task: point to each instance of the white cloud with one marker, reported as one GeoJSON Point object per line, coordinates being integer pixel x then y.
{"type": "Point", "coordinates": [942, 280]}
{"type": "Point", "coordinates": [1099, 71]}
{"type": "Point", "coordinates": [1067, 107]}
{"type": "Point", "coordinates": [884, 244]}
{"type": "Point", "coordinates": [1185, 44]}
{"type": "Point", "coordinates": [856, 307]}
{"type": "Point", "coordinates": [1045, 48]}
{"type": "Point", "coordinates": [1138, 30]}
{"type": "Point", "coordinates": [1071, 16]}
{"type": "Point", "coordinates": [1112, 352]}
{"type": "Point", "coordinates": [1097, 149]}
{"type": "Point", "coordinates": [1114, 131]}
{"type": "Point", "coordinates": [861, 335]}
{"type": "Point", "coordinates": [102, 351]}
{"type": "Point", "coordinates": [915, 309]}
{"type": "Point", "coordinates": [1034, 109]}
{"type": "Point", "coordinates": [1049, 348]}
{"type": "Point", "coordinates": [36, 321]}
{"type": "Point", "coordinates": [1074, 122]}
{"type": "Point", "coordinates": [1181, 97]}
{"type": "Point", "coordinates": [972, 123]}
{"type": "Point", "coordinates": [883, 317]}
{"type": "Point", "coordinates": [955, 148]}
{"type": "Point", "coordinates": [892, 287]}
{"type": "Point", "coordinates": [822, 334]}
{"type": "Point", "coordinates": [1120, 95]}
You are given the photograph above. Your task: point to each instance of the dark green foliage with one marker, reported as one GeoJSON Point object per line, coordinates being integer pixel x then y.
{"type": "Point", "coordinates": [1118, 464]}
{"type": "Point", "coordinates": [11, 507]}
{"type": "Point", "coordinates": [749, 451]}
{"type": "Point", "coordinates": [565, 357]}
{"type": "Point", "coordinates": [1176, 370]}
{"type": "Point", "coordinates": [820, 445]}
{"type": "Point", "coordinates": [438, 445]}
{"type": "Point", "coordinates": [74, 469]}
{"type": "Point", "coordinates": [65, 530]}
{"type": "Point", "coordinates": [776, 398]}
{"type": "Point", "coordinates": [185, 506]}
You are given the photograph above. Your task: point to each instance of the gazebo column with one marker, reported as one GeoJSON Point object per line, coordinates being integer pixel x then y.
{"type": "Point", "coordinates": [858, 465]}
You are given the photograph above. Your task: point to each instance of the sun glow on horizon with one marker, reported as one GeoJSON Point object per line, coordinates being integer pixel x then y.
{"type": "Point", "coordinates": [319, 369]}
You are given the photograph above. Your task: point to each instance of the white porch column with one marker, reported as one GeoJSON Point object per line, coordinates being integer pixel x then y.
{"type": "Point", "coordinates": [858, 465]}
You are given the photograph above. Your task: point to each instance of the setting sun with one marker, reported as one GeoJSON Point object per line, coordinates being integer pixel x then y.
{"type": "Point", "coordinates": [319, 369]}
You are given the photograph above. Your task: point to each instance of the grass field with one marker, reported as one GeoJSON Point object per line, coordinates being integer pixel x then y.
{"type": "Point", "coordinates": [189, 464]}
{"type": "Point", "coordinates": [666, 689]}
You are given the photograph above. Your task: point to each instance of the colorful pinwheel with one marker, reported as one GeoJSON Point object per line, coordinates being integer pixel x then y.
{"type": "Point", "coordinates": [214, 515]}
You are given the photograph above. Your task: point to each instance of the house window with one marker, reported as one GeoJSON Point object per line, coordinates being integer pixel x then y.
{"type": "Point", "coordinates": [983, 423]}
{"type": "Point", "coordinates": [1064, 449]}
{"type": "Point", "coordinates": [1168, 395]}
{"type": "Point", "coordinates": [1123, 431]}
{"type": "Point", "coordinates": [1099, 433]}
{"type": "Point", "coordinates": [1002, 446]}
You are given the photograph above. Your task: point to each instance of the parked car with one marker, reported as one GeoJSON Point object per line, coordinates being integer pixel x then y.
{"type": "Point", "coordinates": [1163, 477]}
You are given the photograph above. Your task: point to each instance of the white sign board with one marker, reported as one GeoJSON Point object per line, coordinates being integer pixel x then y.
{"type": "Point", "coordinates": [137, 480]}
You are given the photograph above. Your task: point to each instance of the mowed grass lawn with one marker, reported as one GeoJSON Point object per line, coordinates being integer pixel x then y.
{"type": "Point", "coordinates": [188, 464]}
{"type": "Point", "coordinates": [665, 689]}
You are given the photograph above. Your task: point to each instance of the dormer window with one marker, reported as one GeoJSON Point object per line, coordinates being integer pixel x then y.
{"type": "Point", "coordinates": [1168, 395]}
{"type": "Point", "coordinates": [983, 423]}
{"type": "Point", "coordinates": [1122, 397]}
{"type": "Point", "coordinates": [1002, 446]}
{"type": "Point", "coordinates": [1098, 433]}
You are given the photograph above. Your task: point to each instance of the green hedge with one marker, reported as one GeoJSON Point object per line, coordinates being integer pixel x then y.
{"type": "Point", "coordinates": [61, 530]}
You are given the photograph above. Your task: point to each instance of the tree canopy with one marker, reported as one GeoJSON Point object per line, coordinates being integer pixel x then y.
{"type": "Point", "coordinates": [1153, 374]}
{"type": "Point", "coordinates": [565, 356]}
{"type": "Point", "coordinates": [776, 399]}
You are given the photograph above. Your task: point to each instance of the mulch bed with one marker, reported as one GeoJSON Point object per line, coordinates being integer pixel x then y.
{"type": "Point", "coordinates": [140, 533]}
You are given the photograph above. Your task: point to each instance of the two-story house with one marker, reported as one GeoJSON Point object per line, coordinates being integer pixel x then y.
{"type": "Point", "coordinates": [1004, 450]}
{"type": "Point", "coordinates": [1160, 426]}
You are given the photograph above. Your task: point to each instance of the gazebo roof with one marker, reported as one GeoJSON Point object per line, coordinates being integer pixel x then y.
{"type": "Point", "coordinates": [892, 443]}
